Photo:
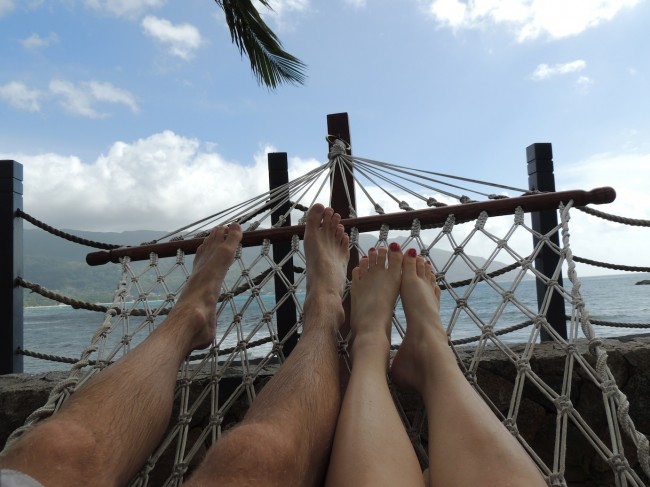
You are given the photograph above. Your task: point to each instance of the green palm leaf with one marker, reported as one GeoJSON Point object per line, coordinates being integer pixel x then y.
{"type": "Point", "coordinates": [270, 63]}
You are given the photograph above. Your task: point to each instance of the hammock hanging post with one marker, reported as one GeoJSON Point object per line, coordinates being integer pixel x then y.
{"type": "Point", "coordinates": [539, 159]}
{"type": "Point", "coordinates": [338, 126]}
{"type": "Point", "coordinates": [11, 253]}
{"type": "Point", "coordinates": [286, 313]}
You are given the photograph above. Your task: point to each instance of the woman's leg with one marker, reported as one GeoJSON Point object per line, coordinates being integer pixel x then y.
{"type": "Point", "coordinates": [468, 445]}
{"type": "Point", "coordinates": [371, 446]}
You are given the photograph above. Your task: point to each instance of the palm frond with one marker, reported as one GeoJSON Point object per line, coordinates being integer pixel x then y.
{"type": "Point", "coordinates": [270, 63]}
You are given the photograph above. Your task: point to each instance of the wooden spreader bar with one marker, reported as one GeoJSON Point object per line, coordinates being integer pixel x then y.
{"type": "Point", "coordinates": [428, 218]}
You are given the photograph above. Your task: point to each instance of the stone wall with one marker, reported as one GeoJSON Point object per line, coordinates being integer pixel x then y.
{"type": "Point", "coordinates": [629, 360]}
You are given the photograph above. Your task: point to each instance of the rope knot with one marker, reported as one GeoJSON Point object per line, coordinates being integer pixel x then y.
{"type": "Point", "coordinates": [481, 220]}
{"type": "Point", "coordinates": [523, 365]}
{"type": "Point", "coordinates": [415, 228]}
{"type": "Point", "coordinates": [354, 236]}
{"type": "Point", "coordinates": [519, 216]}
{"type": "Point", "coordinates": [266, 246]}
{"type": "Point", "coordinates": [563, 404]}
{"type": "Point", "coordinates": [424, 252]}
{"type": "Point", "coordinates": [295, 243]}
{"type": "Point", "coordinates": [619, 463]}
{"type": "Point", "coordinates": [378, 209]}
{"type": "Point", "coordinates": [338, 148]}
{"type": "Point", "coordinates": [511, 426]}
{"type": "Point", "coordinates": [610, 388]}
{"type": "Point", "coordinates": [253, 226]}
{"type": "Point", "coordinates": [449, 224]}
{"type": "Point", "coordinates": [403, 205]}
{"type": "Point", "coordinates": [556, 480]}
{"type": "Point", "coordinates": [215, 419]}
{"type": "Point", "coordinates": [184, 419]}
{"type": "Point", "coordinates": [383, 232]}
{"type": "Point", "coordinates": [461, 303]}
{"type": "Point", "coordinates": [508, 296]}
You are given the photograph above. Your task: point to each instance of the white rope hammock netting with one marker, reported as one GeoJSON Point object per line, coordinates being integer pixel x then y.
{"type": "Point", "coordinates": [578, 407]}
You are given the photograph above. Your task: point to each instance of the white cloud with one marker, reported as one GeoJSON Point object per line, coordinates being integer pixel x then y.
{"type": "Point", "coordinates": [20, 96]}
{"type": "Point", "coordinates": [583, 83]}
{"type": "Point", "coordinates": [160, 182]}
{"type": "Point", "coordinates": [530, 19]}
{"type": "Point", "coordinates": [182, 39]}
{"type": "Point", "coordinates": [124, 8]}
{"type": "Point", "coordinates": [282, 11]}
{"type": "Point", "coordinates": [36, 42]}
{"type": "Point", "coordinates": [80, 99]}
{"type": "Point", "coordinates": [6, 6]}
{"type": "Point", "coordinates": [544, 71]}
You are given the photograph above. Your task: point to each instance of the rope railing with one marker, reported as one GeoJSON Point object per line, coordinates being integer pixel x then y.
{"type": "Point", "coordinates": [636, 222]}
{"type": "Point", "coordinates": [193, 358]}
{"type": "Point", "coordinates": [65, 235]}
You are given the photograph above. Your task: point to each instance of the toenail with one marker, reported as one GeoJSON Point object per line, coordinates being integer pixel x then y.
{"type": "Point", "coordinates": [371, 249]}
{"type": "Point", "coordinates": [412, 252]}
{"type": "Point", "coordinates": [395, 247]}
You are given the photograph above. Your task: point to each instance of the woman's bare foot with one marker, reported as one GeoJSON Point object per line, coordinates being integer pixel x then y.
{"type": "Point", "coordinates": [425, 340]}
{"type": "Point", "coordinates": [196, 306]}
{"type": "Point", "coordinates": [375, 285]}
{"type": "Point", "coordinates": [327, 255]}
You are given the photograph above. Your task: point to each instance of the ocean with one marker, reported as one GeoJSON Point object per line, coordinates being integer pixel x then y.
{"type": "Point", "coordinates": [64, 331]}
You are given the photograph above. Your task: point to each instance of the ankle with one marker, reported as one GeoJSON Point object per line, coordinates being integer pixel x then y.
{"type": "Point", "coordinates": [370, 343]}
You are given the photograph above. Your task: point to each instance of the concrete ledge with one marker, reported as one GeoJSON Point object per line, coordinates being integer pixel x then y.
{"type": "Point", "coordinates": [629, 361]}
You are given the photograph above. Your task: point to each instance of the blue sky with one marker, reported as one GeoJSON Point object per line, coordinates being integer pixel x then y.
{"type": "Point", "coordinates": [141, 113]}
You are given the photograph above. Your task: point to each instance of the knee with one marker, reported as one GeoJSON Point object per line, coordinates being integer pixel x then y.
{"type": "Point", "coordinates": [255, 453]}
{"type": "Point", "coordinates": [55, 444]}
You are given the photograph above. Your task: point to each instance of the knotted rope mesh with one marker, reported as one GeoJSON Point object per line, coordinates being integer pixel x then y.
{"type": "Point", "coordinates": [579, 408]}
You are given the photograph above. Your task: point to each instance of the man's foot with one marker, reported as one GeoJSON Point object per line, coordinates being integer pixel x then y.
{"type": "Point", "coordinates": [425, 340]}
{"type": "Point", "coordinates": [326, 254]}
{"type": "Point", "coordinates": [375, 285]}
{"type": "Point", "coordinates": [196, 306]}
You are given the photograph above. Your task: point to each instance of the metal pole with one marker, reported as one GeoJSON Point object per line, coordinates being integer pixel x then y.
{"type": "Point", "coordinates": [11, 253]}
{"type": "Point", "coordinates": [286, 313]}
{"type": "Point", "coordinates": [540, 177]}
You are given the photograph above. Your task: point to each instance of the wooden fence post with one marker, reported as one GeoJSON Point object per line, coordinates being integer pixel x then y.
{"type": "Point", "coordinates": [539, 158]}
{"type": "Point", "coordinates": [11, 255]}
{"type": "Point", "coordinates": [286, 313]}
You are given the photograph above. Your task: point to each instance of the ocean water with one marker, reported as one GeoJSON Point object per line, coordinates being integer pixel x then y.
{"type": "Point", "coordinates": [61, 330]}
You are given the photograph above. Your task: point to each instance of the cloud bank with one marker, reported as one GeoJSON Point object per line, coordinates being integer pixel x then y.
{"type": "Point", "coordinates": [528, 19]}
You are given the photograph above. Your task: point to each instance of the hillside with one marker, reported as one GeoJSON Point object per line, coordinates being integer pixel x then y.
{"type": "Point", "coordinates": [60, 265]}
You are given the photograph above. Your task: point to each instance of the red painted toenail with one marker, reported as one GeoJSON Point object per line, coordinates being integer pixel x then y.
{"type": "Point", "coordinates": [395, 247]}
{"type": "Point", "coordinates": [371, 249]}
{"type": "Point", "coordinates": [412, 252]}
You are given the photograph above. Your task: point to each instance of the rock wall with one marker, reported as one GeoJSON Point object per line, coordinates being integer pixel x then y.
{"type": "Point", "coordinates": [629, 361]}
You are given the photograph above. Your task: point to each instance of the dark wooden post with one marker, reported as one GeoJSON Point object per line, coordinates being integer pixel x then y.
{"type": "Point", "coordinates": [339, 127]}
{"type": "Point", "coordinates": [540, 177]}
{"type": "Point", "coordinates": [286, 313]}
{"type": "Point", "coordinates": [11, 253]}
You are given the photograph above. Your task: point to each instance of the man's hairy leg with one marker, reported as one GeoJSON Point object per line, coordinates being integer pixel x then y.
{"type": "Point", "coordinates": [285, 437]}
{"type": "Point", "coordinates": [104, 433]}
